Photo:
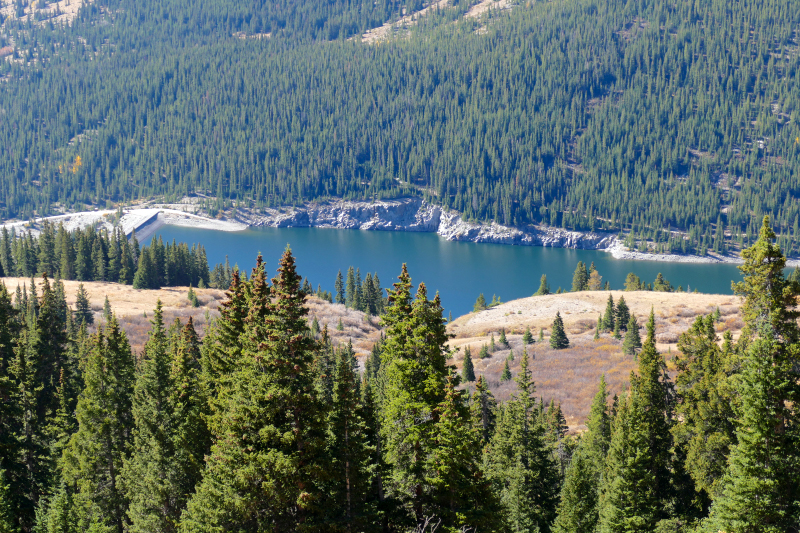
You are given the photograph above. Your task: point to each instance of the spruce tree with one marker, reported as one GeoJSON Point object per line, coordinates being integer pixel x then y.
{"type": "Point", "coordinates": [503, 340]}
{"type": "Point", "coordinates": [598, 439]}
{"type": "Point", "coordinates": [378, 294]}
{"type": "Point", "coordinates": [350, 288]}
{"type": "Point", "coordinates": [146, 276]}
{"type": "Point", "coordinates": [339, 288]}
{"type": "Point", "coordinates": [460, 496]}
{"type": "Point", "coordinates": [107, 312]}
{"type": "Point", "coordinates": [629, 501]}
{"type": "Point", "coordinates": [580, 279]}
{"type": "Point", "coordinates": [95, 455]}
{"type": "Point", "coordinates": [222, 348]}
{"type": "Point", "coordinates": [761, 487]}
{"type": "Point", "coordinates": [192, 297]}
{"type": "Point", "coordinates": [414, 374]}
{"type": "Point", "coordinates": [506, 374]}
{"type": "Point", "coordinates": [577, 509]}
{"type": "Point", "coordinates": [484, 353]}
{"type": "Point", "coordinates": [608, 318]}
{"type": "Point", "coordinates": [83, 309]}
{"type": "Point", "coordinates": [349, 449]}
{"type": "Point", "coordinates": [616, 330]}
{"type": "Point", "coordinates": [527, 337]}
{"type": "Point", "coordinates": [11, 415]}
{"type": "Point", "coordinates": [705, 387]}
{"type": "Point", "coordinates": [148, 475]}
{"type": "Point", "coordinates": [519, 464]}
{"type": "Point", "coordinates": [622, 314]}
{"type": "Point", "coordinates": [639, 486]}
{"type": "Point", "coordinates": [484, 411]}
{"type": "Point", "coordinates": [189, 433]}
{"type": "Point", "coordinates": [480, 304]}
{"type": "Point", "coordinates": [558, 337]}
{"type": "Point", "coordinates": [632, 339]}
{"type": "Point", "coordinates": [468, 370]}
{"type": "Point", "coordinates": [266, 467]}
{"type": "Point", "coordinates": [544, 287]}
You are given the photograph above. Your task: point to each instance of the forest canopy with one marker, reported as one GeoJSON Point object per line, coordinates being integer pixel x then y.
{"type": "Point", "coordinates": [585, 114]}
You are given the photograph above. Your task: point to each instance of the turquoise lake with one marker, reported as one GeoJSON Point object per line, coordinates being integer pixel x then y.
{"type": "Point", "coordinates": [458, 270]}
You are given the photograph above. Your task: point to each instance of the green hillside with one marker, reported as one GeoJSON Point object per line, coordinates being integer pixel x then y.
{"type": "Point", "coordinates": [584, 114]}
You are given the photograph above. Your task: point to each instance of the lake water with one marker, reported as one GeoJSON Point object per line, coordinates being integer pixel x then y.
{"type": "Point", "coordinates": [458, 270]}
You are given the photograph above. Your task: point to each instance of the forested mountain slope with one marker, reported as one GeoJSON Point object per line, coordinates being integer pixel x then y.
{"type": "Point", "coordinates": [586, 114]}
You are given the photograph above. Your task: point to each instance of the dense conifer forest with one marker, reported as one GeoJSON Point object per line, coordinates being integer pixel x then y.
{"type": "Point", "coordinates": [91, 255]}
{"type": "Point", "coordinates": [641, 117]}
{"type": "Point", "coordinates": [263, 425]}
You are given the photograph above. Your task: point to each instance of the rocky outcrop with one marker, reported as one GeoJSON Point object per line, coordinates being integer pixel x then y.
{"type": "Point", "coordinates": [415, 214]}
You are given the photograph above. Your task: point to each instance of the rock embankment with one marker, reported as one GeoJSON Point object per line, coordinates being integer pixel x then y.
{"type": "Point", "coordinates": [415, 214]}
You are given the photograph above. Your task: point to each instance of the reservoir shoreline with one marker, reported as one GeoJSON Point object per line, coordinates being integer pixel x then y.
{"type": "Point", "coordinates": [404, 215]}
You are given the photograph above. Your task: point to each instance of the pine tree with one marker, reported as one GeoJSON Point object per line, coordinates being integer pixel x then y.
{"type": "Point", "coordinates": [519, 464]}
{"type": "Point", "coordinates": [339, 288]}
{"type": "Point", "coordinates": [506, 375]}
{"type": "Point", "coordinates": [272, 423]}
{"type": "Point", "coordinates": [468, 370]}
{"type": "Point", "coordinates": [527, 337]}
{"type": "Point", "coordinates": [632, 339]}
{"type": "Point", "coordinates": [761, 487]}
{"type": "Point", "coordinates": [492, 346]}
{"type": "Point", "coordinates": [558, 337]}
{"type": "Point", "coordinates": [503, 340]}
{"type": "Point", "coordinates": [544, 288]}
{"type": "Point", "coordinates": [83, 310]}
{"type": "Point", "coordinates": [541, 334]}
{"type": "Point", "coordinates": [616, 330]}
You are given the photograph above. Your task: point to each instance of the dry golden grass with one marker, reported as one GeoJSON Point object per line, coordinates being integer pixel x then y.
{"type": "Point", "coordinates": [131, 305]}
{"type": "Point", "coordinates": [571, 376]}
